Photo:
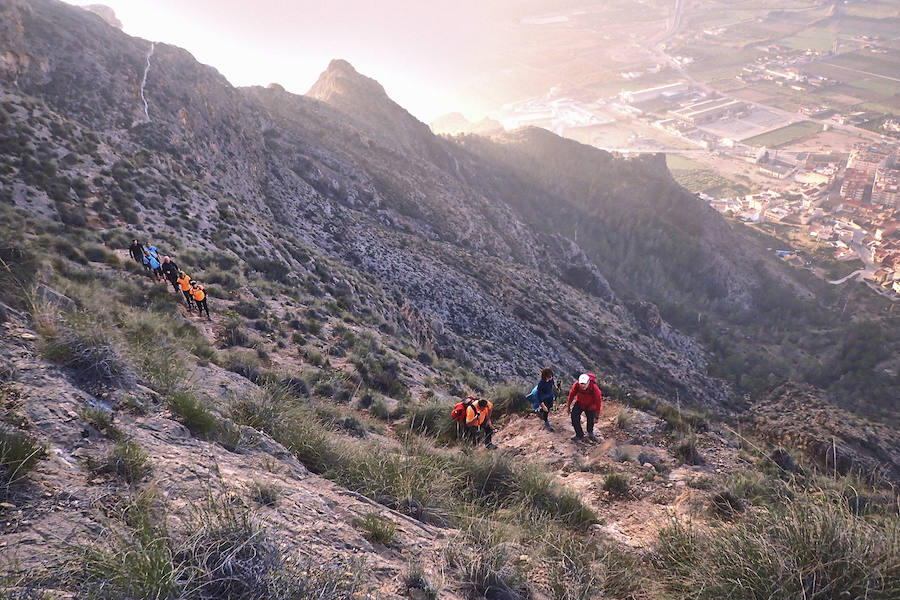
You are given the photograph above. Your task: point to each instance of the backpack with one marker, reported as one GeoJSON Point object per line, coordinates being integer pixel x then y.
{"type": "Point", "coordinates": [459, 411]}
{"type": "Point", "coordinates": [532, 398]}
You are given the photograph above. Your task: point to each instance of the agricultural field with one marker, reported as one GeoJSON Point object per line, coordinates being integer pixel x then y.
{"type": "Point", "coordinates": [813, 38]}
{"type": "Point", "coordinates": [786, 135]}
{"type": "Point", "coordinates": [697, 177]}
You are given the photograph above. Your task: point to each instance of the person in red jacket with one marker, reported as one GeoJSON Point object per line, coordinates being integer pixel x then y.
{"type": "Point", "coordinates": [586, 397]}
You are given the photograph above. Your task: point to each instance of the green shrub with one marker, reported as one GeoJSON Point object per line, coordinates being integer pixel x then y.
{"type": "Point", "coordinates": [811, 548]}
{"type": "Point", "coordinates": [225, 554]}
{"type": "Point", "coordinates": [194, 413]}
{"type": "Point", "coordinates": [686, 451]}
{"type": "Point", "coordinates": [91, 355]}
{"type": "Point", "coordinates": [313, 356]}
{"type": "Point", "coordinates": [19, 454]}
{"type": "Point", "coordinates": [18, 268]}
{"type": "Point", "coordinates": [726, 504]}
{"type": "Point", "coordinates": [128, 461]}
{"type": "Point", "coordinates": [487, 567]}
{"type": "Point", "coordinates": [617, 485]}
{"type": "Point", "coordinates": [101, 419]}
{"type": "Point", "coordinates": [507, 399]}
{"type": "Point", "coordinates": [233, 334]}
{"type": "Point", "coordinates": [95, 253]}
{"type": "Point", "coordinates": [432, 418]}
{"type": "Point", "coordinates": [377, 529]}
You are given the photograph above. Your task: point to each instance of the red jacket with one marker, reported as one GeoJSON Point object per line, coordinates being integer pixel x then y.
{"type": "Point", "coordinates": [589, 399]}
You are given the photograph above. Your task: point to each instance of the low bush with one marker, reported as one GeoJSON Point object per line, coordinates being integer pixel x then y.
{"type": "Point", "coordinates": [19, 454]}
{"type": "Point", "coordinates": [811, 548]}
{"type": "Point", "coordinates": [725, 504]}
{"type": "Point", "coordinates": [617, 485]}
{"type": "Point", "coordinates": [377, 529]}
{"type": "Point", "coordinates": [686, 451]}
{"type": "Point", "coordinates": [487, 566]}
{"type": "Point", "coordinates": [226, 554]}
{"type": "Point", "coordinates": [194, 413]}
{"type": "Point", "coordinates": [431, 418]}
{"type": "Point", "coordinates": [128, 461]}
{"type": "Point", "coordinates": [507, 399]}
{"type": "Point", "coordinates": [91, 355]}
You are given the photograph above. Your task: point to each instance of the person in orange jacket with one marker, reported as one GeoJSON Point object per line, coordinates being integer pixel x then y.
{"type": "Point", "coordinates": [184, 283]}
{"type": "Point", "coordinates": [478, 418]}
{"type": "Point", "coordinates": [199, 296]}
{"type": "Point", "coordinates": [585, 397]}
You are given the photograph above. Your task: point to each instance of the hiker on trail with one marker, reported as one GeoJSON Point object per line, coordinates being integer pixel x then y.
{"type": "Point", "coordinates": [170, 271]}
{"type": "Point", "coordinates": [135, 251]}
{"type": "Point", "coordinates": [585, 397]}
{"type": "Point", "coordinates": [155, 266]}
{"type": "Point", "coordinates": [478, 418]}
{"type": "Point", "coordinates": [145, 257]}
{"type": "Point", "coordinates": [151, 261]}
{"type": "Point", "coordinates": [184, 284]}
{"type": "Point", "coordinates": [199, 296]}
{"type": "Point", "coordinates": [544, 396]}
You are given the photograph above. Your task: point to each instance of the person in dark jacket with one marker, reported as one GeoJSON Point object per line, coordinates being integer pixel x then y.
{"type": "Point", "coordinates": [546, 394]}
{"type": "Point", "coordinates": [170, 271]}
{"type": "Point", "coordinates": [136, 252]}
{"type": "Point", "coordinates": [585, 397]}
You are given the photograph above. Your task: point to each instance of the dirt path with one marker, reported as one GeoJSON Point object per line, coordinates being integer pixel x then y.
{"type": "Point", "coordinates": [653, 497]}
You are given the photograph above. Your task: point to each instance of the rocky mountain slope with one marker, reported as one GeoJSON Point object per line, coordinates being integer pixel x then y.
{"type": "Point", "coordinates": [347, 171]}
{"type": "Point", "coordinates": [363, 274]}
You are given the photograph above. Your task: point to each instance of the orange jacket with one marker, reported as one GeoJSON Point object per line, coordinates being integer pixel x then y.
{"type": "Point", "coordinates": [198, 293]}
{"type": "Point", "coordinates": [476, 416]}
{"type": "Point", "coordinates": [185, 283]}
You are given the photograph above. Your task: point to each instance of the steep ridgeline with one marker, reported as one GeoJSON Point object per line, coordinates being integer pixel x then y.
{"type": "Point", "coordinates": [506, 253]}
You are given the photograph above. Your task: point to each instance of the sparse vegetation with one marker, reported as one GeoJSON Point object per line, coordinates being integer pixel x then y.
{"type": "Point", "coordinates": [19, 454]}
{"type": "Point", "coordinates": [809, 548]}
{"type": "Point", "coordinates": [128, 461]}
{"type": "Point", "coordinates": [377, 529]}
{"type": "Point", "coordinates": [194, 413]}
{"type": "Point", "coordinates": [617, 485]}
{"type": "Point", "coordinates": [226, 554]}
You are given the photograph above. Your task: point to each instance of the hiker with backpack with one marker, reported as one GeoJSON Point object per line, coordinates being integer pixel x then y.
{"type": "Point", "coordinates": [151, 256]}
{"type": "Point", "coordinates": [584, 397]}
{"type": "Point", "coordinates": [145, 256]}
{"type": "Point", "coordinates": [184, 283]}
{"type": "Point", "coordinates": [542, 397]}
{"type": "Point", "coordinates": [170, 271]}
{"type": "Point", "coordinates": [199, 296]}
{"type": "Point", "coordinates": [474, 414]}
{"type": "Point", "coordinates": [135, 251]}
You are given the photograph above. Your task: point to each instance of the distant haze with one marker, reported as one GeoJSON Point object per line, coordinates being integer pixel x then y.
{"type": "Point", "coordinates": [420, 51]}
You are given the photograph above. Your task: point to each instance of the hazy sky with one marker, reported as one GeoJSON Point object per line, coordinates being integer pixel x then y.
{"type": "Point", "coordinates": [418, 50]}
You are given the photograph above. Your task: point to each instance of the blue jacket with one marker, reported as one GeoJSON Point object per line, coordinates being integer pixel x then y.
{"type": "Point", "coordinates": [545, 391]}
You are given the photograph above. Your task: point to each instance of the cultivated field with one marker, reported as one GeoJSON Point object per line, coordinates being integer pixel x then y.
{"type": "Point", "coordinates": [785, 135]}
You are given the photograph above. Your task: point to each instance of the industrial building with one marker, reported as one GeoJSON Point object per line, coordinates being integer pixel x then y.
{"type": "Point", "coordinates": [708, 110]}
{"type": "Point", "coordinates": [670, 90]}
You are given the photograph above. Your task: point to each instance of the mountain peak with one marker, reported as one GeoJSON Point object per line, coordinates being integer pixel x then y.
{"type": "Point", "coordinates": [364, 100]}
{"type": "Point", "coordinates": [341, 83]}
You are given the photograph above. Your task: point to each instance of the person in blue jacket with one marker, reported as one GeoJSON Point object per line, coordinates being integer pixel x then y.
{"type": "Point", "coordinates": [544, 396]}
